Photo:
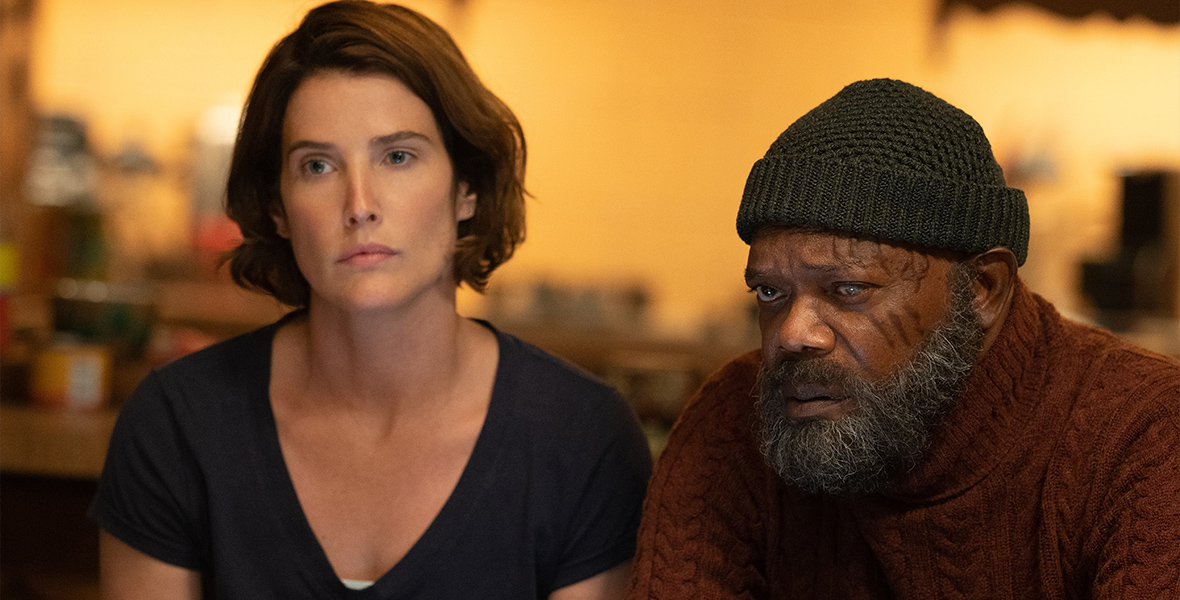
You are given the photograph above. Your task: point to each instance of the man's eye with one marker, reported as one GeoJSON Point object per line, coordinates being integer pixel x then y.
{"type": "Point", "coordinates": [850, 289]}
{"type": "Point", "coordinates": [765, 293]}
{"type": "Point", "coordinates": [398, 157]}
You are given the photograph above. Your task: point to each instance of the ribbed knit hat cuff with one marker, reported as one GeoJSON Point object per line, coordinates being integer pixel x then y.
{"type": "Point", "coordinates": [893, 205]}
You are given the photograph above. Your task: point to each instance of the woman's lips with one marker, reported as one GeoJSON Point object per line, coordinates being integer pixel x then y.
{"type": "Point", "coordinates": [366, 255]}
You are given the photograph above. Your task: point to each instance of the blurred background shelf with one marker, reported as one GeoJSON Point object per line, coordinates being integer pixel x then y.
{"type": "Point", "coordinates": [643, 120]}
{"type": "Point", "coordinates": [53, 442]}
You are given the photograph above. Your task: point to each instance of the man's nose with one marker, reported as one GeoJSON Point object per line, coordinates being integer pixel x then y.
{"type": "Point", "coordinates": [803, 330]}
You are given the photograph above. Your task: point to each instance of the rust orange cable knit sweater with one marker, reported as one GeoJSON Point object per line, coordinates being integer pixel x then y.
{"type": "Point", "coordinates": [1057, 476]}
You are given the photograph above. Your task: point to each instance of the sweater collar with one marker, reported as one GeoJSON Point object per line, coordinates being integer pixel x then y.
{"type": "Point", "coordinates": [992, 410]}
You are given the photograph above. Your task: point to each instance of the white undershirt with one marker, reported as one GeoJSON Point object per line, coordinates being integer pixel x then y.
{"type": "Point", "coordinates": [355, 584]}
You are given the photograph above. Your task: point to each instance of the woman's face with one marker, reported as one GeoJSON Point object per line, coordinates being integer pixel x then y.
{"type": "Point", "coordinates": [369, 198]}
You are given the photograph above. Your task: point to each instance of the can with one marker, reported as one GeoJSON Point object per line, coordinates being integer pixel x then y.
{"type": "Point", "coordinates": [71, 376]}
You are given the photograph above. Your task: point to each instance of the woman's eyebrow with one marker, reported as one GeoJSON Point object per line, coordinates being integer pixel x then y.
{"type": "Point", "coordinates": [377, 141]}
{"type": "Point", "coordinates": [301, 144]}
{"type": "Point", "coordinates": [397, 137]}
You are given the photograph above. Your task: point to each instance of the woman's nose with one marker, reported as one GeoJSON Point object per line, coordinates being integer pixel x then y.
{"type": "Point", "coordinates": [362, 207]}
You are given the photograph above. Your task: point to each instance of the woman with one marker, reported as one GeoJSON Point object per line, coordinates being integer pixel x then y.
{"type": "Point", "coordinates": [373, 443]}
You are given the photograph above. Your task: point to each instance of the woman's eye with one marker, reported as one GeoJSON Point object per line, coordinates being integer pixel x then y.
{"type": "Point", "coordinates": [398, 157]}
{"type": "Point", "coordinates": [317, 167]}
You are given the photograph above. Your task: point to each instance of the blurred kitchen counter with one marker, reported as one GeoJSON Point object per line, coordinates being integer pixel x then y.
{"type": "Point", "coordinates": [54, 442]}
{"type": "Point", "coordinates": [50, 460]}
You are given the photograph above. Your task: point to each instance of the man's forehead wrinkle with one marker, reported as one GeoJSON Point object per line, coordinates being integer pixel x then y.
{"type": "Point", "coordinates": [851, 252]}
{"type": "Point", "coordinates": [828, 252]}
{"type": "Point", "coordinates": [908, 264]}
{"type": "Point", "coordinates": [898, 259]}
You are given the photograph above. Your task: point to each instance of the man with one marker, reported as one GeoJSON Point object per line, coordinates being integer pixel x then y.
{"type": "Point", "coordinates": [918, 424]}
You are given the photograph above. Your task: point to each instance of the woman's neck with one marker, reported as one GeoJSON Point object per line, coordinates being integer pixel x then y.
{"type": "Point", "coordinates": [398, 360]}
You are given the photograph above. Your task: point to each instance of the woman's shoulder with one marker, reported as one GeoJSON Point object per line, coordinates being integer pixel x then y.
{"type": "Point", "coordinates": [209, 381]}
{"type": "Point", "coordinates": [528, 366]}
{"type": "Point", "coordinates": [554, 394]}
{"type": "Point", "coordinates": [241, 352]}
{"type": "Point", "coordinates": [550, 407]}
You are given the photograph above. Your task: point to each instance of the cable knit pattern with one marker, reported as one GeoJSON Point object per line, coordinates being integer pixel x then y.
{"type": "Point", "coordinates": [1057, 476]}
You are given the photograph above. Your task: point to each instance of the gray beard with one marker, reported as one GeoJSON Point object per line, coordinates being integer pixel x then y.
{"type": "Point", "coordinates": [891, 420]}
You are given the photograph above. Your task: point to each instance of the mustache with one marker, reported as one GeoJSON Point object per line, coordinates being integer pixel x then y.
{"type": "Point", "coordinates": [812, 371]}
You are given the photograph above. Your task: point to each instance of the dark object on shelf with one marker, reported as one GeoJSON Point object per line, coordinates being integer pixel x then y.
{"type": "Point", "coordinates": [1143, 277]}
{"type": "Point", "coordinates": [120, 316]}
{"type": "Point", "coordinates": [1160, 11]}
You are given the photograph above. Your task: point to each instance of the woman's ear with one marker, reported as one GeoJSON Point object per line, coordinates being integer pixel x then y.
{"type": "Point", "coordinates": [280, 218]}
{"type": "Point", "coordinates": [465, 201]}
{"type": "Point", "coordinates": [995, 282]}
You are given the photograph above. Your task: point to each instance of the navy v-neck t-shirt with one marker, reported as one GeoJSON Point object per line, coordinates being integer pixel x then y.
{"type": "Point", "coordinates": [551, 495]}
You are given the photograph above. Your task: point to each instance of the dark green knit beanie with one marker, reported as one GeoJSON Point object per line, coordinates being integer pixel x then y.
{"type": "Point", "coordinates": [887, 159]}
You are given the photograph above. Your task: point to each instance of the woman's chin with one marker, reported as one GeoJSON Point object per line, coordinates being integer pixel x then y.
{"type": "Point", "coordinates": [385, 298]}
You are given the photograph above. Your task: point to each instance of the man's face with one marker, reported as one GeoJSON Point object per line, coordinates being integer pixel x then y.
{"type": "Point", "coordinates": [865, 346]}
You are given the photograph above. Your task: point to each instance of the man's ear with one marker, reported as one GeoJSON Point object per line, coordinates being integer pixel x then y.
{"type": "Point", "coordinates": [465, 201]}
{"type": "Point", "coordinates": [279, 216]}
{"type": "Point", "coordinates": [995, 282]}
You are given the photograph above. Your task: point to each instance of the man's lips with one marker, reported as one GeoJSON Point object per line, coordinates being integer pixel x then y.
{"type": "Point", "coordinates": [808, 401]}
{"type": "Point", "coordinates": [366, 254]}
{"type": "Point", "coordinates": [830, 409]}
{"type": "Point", "coordinates": [807, 392]}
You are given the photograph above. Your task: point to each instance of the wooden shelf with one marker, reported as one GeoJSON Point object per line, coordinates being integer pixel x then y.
{"type": "Point", "coordinates": [54, 443]}
{"type": "Point", "coordinates": [219, 303]}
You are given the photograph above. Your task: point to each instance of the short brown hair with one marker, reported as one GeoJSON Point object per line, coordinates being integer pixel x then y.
{"type": "Point", "coordinates": [483, 138]}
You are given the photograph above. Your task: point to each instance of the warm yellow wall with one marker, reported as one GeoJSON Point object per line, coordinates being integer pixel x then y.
{"type": "Point", "coordinates": [1089, 99]}
{"type": "Point", "coordinates": [144, 69]}
{"type": "Point", "coordinates": [643, 118]}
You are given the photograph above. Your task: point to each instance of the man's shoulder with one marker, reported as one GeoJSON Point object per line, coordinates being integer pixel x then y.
{"type": "Point", "coordinates": [1117, 391]}
{"type": "Point", "coordinates": [1110, 488]}
{"type": "Point", "coordinates": [1108, 365]}
{"type": "Point", "coordinates": [739, 374]}
{"type": "Point", "coordinates": [725, 401]}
